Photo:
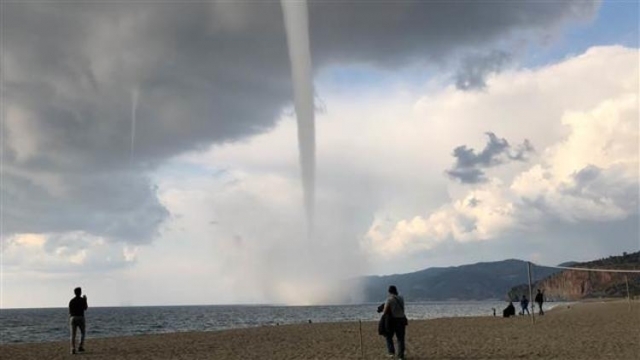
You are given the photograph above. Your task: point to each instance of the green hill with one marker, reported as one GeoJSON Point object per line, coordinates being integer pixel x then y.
{"type": "Point", "coordinates": [481, 281]}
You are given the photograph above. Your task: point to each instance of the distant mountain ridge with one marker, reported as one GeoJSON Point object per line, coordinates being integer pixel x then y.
{"type": "Point", "coordinates": [480, 281]}
{"type": "Point", "coordinates": [576, 285]}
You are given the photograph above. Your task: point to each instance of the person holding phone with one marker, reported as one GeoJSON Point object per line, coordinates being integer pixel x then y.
{"type": "Point", "coordinates": [77, 307]}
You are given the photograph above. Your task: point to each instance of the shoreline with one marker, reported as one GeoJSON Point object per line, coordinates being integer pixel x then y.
{"type": "Point", "coordinates": [593, 330]}
{"type": "Point", "coordinates": [93, 336]}
{"type": "Point", "coordinates": [100, 326]}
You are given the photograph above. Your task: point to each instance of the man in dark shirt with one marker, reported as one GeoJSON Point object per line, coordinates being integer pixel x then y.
{"type": "Point", "coordinates": [539, 300]}
{"type": "Point", "coordinates": [524, 304]}
{"type": "Point", "coordinates": [77, 306]}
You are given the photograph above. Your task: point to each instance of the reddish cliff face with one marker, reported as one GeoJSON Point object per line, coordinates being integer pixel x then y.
{"type": "Point", "coordinates": [576, 285]}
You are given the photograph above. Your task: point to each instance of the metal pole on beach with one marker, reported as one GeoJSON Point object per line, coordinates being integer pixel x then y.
{"type": "Point", "coordinates": [530, 291]}
{"type": "Point", "coordinates": [361, 348]}
{"type": "Point", "coordinates": [626, 279]}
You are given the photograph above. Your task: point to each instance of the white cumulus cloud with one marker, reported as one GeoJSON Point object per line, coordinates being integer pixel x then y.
{"type": "Point", "coordinates": [586, 168]}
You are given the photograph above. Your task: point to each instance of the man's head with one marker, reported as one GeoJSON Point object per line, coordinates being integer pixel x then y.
{"type": "Point", "coordinates": [538, 291]}
{"type": "Point", "coordinates": [393, 290]}
{"type": "Point", "coordinates": [77, 291]}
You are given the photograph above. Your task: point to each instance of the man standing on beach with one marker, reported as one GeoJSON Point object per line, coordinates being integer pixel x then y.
{"type": "Point", "coordinates": [395, 321]}
{"type": "Point", "coordinates": [524, 304]}
{"type": "Point", "coordinates": [77, 306]}
{"type": "Point", "coordinates": [539, 300]}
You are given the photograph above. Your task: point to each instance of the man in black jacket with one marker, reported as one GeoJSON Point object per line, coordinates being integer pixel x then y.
{"type": "Point", "coordinates": [77, 306]}
{"type": "Point", "coordinates": [539, 300]}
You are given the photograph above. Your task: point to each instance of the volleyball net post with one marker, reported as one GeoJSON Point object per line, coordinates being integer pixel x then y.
{"type": "Point", "coordinates": [361, 346]}
{"type": "Point", "coordinates": [626, 280]}
{"type": "Point", "coordinates": [533, 321]}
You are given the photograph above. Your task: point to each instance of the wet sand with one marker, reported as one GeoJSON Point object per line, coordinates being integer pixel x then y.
{"type": "Point", "coordinates": [593, 330]}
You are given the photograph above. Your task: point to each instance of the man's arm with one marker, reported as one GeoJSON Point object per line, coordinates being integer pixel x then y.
{"type": "Point", "coordinates": [86, 306]}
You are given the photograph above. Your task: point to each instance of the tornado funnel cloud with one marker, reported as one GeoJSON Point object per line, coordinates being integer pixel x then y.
{"type": "Point", "coordinates": [296, 21]}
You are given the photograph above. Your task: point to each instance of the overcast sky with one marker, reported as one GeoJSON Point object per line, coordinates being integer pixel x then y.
{"type": "Point", "coordinates": [150, 150]}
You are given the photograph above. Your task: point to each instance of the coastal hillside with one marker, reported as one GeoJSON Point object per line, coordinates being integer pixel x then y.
{"type": "Point", "coordinates": [575, 285]}
{"type": "Point", "coordinates": [481, 281]}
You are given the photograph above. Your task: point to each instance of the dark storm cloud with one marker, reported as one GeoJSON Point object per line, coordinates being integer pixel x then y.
{"type": "Point", "coordinates": [116, 205]}
{"type": "Point", "coordinates": [205, 73]}
{"type": "Point", "coordinates": [604, 187]}
{"type": "Point", "coordinates": [469, 166]}
{"type": "Point", "coordinates": [388, 32]}
{"type": "Point", "coordinates": [475, 68]}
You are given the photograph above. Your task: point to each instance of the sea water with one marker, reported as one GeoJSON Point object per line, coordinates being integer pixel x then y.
{"type": "Point", "coordinates": [51, 324]}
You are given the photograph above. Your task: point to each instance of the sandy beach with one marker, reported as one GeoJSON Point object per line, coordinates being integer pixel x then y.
{"type": "Point", "coordinates": [593, 330]}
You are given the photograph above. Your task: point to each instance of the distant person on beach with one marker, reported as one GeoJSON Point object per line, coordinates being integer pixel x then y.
{"type": "Point", "coordinates": [395, 322]}
{"type": "Point", "coordinates": [539, 300]}
{"type": "Point", "coordinates": [524, 304]}
{"type": "Point", "coordinates": [77, 306]}
{"type": "Point", "coordinates": [510, 310]}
